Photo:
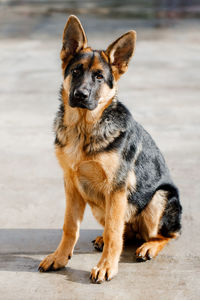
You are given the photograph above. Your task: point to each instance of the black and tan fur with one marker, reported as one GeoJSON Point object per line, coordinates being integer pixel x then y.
{"type": "Point", "coordinates": [109, 161]}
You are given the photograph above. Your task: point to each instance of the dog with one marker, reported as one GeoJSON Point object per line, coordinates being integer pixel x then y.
{"type": "Point", "coordinates": [109, 161]}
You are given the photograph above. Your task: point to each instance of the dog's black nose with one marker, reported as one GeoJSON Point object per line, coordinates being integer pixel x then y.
{"type": "Point", "coordinates": [81, 94]}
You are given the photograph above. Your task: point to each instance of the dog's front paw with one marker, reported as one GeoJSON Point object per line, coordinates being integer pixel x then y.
{"type": "Point", "coordinates": [53, 262]}
{"type": "Point", "coordinates": [103, 271]}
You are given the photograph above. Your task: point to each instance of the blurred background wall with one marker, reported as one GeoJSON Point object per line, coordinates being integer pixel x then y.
{"type": "Point", "coordinates": [112, 8]}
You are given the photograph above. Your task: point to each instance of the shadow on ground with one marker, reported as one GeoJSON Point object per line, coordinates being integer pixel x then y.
{"type": "Point", "coordinates": [23, 249]}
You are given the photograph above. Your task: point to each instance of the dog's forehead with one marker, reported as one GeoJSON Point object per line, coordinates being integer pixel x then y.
{"type": "Point", "coordinates": [92, 60]}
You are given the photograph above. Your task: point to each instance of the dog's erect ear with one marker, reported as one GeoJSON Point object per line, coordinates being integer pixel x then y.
{"type": "Point", "coordinates": [121, 51]}
{"type": "Point", "coordinates": [74, 38]}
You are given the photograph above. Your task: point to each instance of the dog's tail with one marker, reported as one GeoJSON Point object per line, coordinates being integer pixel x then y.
{"type": "Point", "coordinates": [171, 219]}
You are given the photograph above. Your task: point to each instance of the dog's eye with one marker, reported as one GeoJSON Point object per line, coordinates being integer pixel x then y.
{"type": "Point", "coordinates": [76, 72]}
{"type": "Point", "coordinates": [98, 76]}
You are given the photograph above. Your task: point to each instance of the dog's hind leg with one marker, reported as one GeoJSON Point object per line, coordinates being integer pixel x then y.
{"type": "Point", "coordinates": [151, 248]}
{"type": "Point", "coordinates": [98, 243]}
{"type": "Point", "coordinates": [75, 207]}
{"type": "Point", "coordinates": [152, 223]}
{"type": "Point", "coordinates": [99, 214]}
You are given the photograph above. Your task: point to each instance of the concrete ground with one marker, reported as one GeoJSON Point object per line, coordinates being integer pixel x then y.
{"type": "Point", "coordinates": [162, 90]}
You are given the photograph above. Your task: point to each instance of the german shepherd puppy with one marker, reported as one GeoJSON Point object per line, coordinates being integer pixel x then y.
{"type": "Point", "coordinates": [109, 161]}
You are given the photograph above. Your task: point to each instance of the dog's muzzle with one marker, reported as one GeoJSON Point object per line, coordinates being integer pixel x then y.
{"type": "Point", "coordinates": [81, 98]}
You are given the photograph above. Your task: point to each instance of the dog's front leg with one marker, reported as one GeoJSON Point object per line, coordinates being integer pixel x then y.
{"type": "Point", "coordinates": [75, 207]}
{"type": "Point", "coordinates": [113, 237]}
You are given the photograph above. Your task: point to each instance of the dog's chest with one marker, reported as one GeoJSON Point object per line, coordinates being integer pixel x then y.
{"type": "Point", "coordinates": [72, 153]}
{"type": "Point", "coordinates": [92, 174]}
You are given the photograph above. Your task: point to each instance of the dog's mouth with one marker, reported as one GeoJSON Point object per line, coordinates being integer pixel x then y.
{"type": "Point", "coordinates": [80, 103]}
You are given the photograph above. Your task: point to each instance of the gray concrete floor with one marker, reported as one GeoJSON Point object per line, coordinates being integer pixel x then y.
{"type": "Point", "coordinates": [162, 89]}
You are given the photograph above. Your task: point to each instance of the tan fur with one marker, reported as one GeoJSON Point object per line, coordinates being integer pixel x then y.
{"type": "Point", "coordinates": [98, 212]}
{"type": "Point", "coordinates": [131, 181]}
{"type": "Point", "coordinates": [151, 248]}
{"type": "Point", "coordinates": [75, 207]}
{"type": "Point", "coordinates": [91, 181]}
{"type": "Point", "coordinates": [131, 186]}
{"type": "Point", "coordinates": [112, 237]}
{"type": "Point", "coordinates": [146, 224]}
{"type": "Point", "coordinates": [98, 243]}
{"type": "Point", "coordinates": [149, 219]}
{"type": "Point", "coordinates": [131, 211]}
{"type": "Point", "coordinates": [98, 174]}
